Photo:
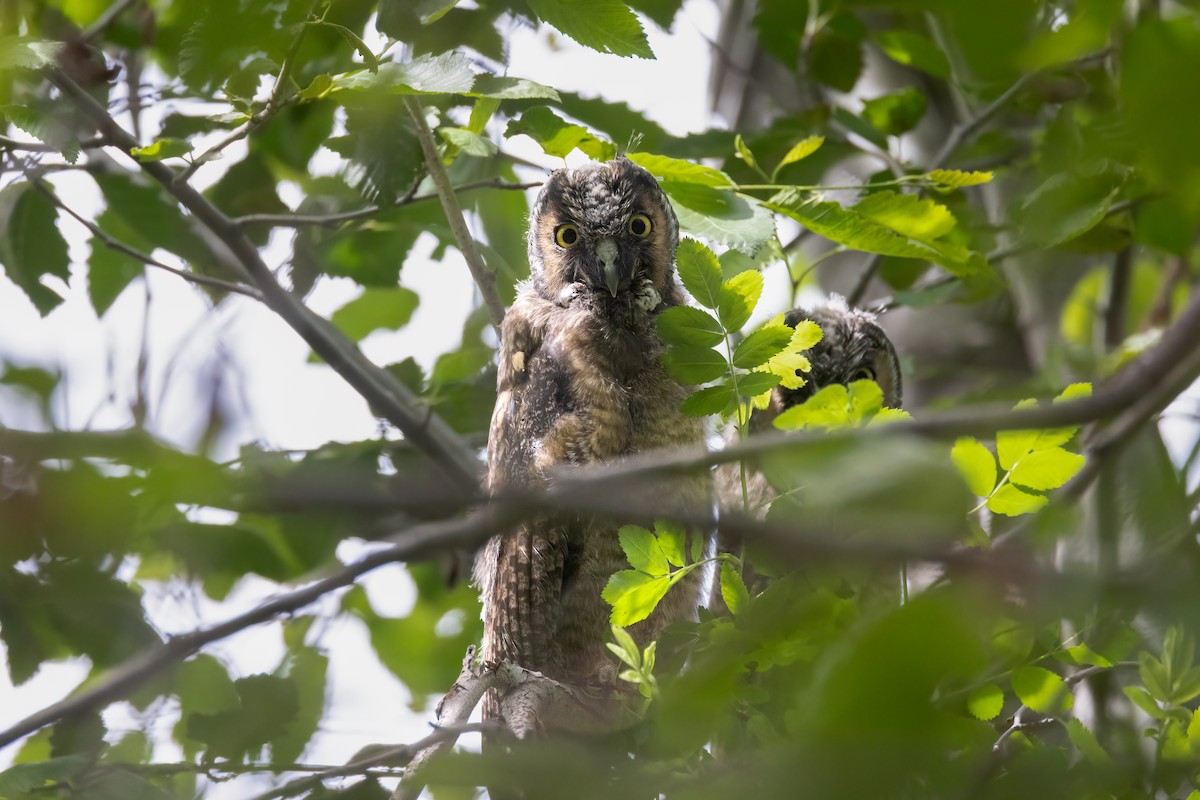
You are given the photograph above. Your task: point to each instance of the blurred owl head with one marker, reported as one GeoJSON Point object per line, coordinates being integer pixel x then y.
{"type": "Point", "coordinates": [606, 226]}
{"type": "Point", "coordinates": [853, 347]}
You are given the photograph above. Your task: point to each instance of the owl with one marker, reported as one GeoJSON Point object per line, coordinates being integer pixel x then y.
{"type": "Point", "coordinates": [852, 348]}
{"type": "Point", "coordinates": [580, 381]}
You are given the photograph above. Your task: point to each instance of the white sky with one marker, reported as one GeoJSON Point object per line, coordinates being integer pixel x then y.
{"type": "Point", "coordinates": [287, 402]}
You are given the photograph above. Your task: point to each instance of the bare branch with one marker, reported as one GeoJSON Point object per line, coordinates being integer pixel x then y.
{"type": "Point", "coordinates": [331, 220]}
{"type": "Point", "coordinates": [387, 395]}
{"type": "Point", "coordinates": [864, 280]}
{"type": "Point", "coordinates": [7, 143]}
{"type": "Point", "coordinates": [485, 279]}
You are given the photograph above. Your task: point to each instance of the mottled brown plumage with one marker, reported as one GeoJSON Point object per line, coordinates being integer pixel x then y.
{"type": "Point", "coordinates": [579, 382]}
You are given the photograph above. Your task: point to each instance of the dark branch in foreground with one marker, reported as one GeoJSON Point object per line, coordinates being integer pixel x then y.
{"type": "Point", "coordinates": [387, 395]}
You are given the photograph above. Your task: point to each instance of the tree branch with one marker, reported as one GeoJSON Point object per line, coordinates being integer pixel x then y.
{"type": "Point", "coordinates": [414, 543]}
{"type": "Point", "coordinates": [387, 395]}
{"type": "Point", "coordinates": [113, 243]}
{"type": "Point", "coordinates": [7, 143]}
{"type": "Point", "coordinates": [485, 279]}
{"type": "Point", "coordinates": [331, 220]}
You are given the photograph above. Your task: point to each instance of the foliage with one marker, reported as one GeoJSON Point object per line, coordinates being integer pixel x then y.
{"type": "Point", "coordinates": [1037, 186]}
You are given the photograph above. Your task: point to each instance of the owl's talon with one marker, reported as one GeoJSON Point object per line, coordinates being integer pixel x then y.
{"type": "Point", "coordinates": [518, 361]}
{"type": "Point", "coordinates": [647, 297]}
{"type": "Point", "coordinates": [569, 293]}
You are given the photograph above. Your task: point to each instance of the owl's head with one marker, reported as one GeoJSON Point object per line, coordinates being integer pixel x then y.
{"type": "Point", "coordinates": [606, 226]}
{"type": "Point", "coordinates": [853, 347]}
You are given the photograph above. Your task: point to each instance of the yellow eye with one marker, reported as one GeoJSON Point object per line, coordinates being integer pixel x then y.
{"type": "Point", "coordinates": [566, 235]}
{"type": "Point", "coordinates": [640, 225]}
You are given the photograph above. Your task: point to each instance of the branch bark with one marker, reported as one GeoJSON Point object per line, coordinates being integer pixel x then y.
{"type": "Point", "coordinates": [485, 279]}
{"type": "Point", "coordinates": [383, 391]}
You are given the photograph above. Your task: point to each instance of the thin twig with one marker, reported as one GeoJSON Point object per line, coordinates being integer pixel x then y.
{"type": "Point", "coordinates": [1116, 305]}
{"type": "Point", "coordinates": [105, 20]}
{"type": "Point", "coordinates": [485, 279]}
{"type": "Point", "coordinates": [113, 243]}
{"type": "Point", "coordinates": [864, 280]}
{"type": "Point", "coordinates": [386, 394]}
{"type": "Point", "coordinates": [331, 220]}
{"type": "Point", "coordinates": [7, 143]}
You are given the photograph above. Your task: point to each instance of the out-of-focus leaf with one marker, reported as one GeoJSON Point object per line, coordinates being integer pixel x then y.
{"type": "Point", "coordinates": [1066, 206]}
{"type": "Point", "coordinates": [719, 399]}
{"type": "Point", "coordinates": [21, 780]}
{"type": "Point", "coordinates": [949, 179]}
{"type": "Point", "coordinates": [984, 702]}
{"type": "Point", "coordinates": [32, 245]}
{"type": "Point", "coordinates": [608, 26]}
{"type": "Point", "coordinates": [504, 88]}
{"type": "Point", "coordinates": [376, 308]}
{"type": "Point", "coordinates": [799, 151]}
{"type": "Point", "coordinates": [1046, 469]}
{"type": "Point", "coordinates": [307, 668]}
{"type": "Point", "coordinates": [733, 589]}
{"type": "Point", "coordinates": [447, 73]}
{"type": "Point", "coordinates": [161, 149]}
{"type": "Point", "coordinates": [470, 143]}
{"type": "Point", "coordinates": [1012, 502]}
{"type": "Point", "coordinates": [914, 50]}
{"type": "Point", "coordinates": [381, 144]}
{"type": "Point", "coordinates": [1042, 690]}
{"type": "Point", "coordinates": [977, 465]}
{"type": "Point", "coordinates": [674, 169]}
{"type": "Point", "coordinates": [267, 705]}
{"type": "Point", "coordinates": [896, 113]}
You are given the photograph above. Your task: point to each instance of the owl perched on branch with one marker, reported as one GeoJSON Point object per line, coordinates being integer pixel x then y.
{"type": "Point", "coordinates": [580, 381]}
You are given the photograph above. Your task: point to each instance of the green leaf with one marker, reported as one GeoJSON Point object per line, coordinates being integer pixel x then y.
{"type": "Point", "coordinates": [739, 296]}
{"type": "Point", "coordinates": [355, 41]}
{"type": "Point", "coordinates": [1012, 502]}
{"type": "Point", "coordinates": [1046, 469]}
{"type": "Point", "coordinates": [607, 26]}
{"type": "Point", "coordinates": [896, 113]}
{"type": "Point", "coordinates": [308, 669]}
{"type": "Point", "coordinates": [32, 245]}
{"type": "Point", "coordinates": [847, 227]}
{"type": "Point", "coordinates": [914, 50]}
{"type": "Point", "coordinates": [1142, 699]}
{"type": "Point", "coordinates": [470, 143]}
{"type": "Point", "coordinates": [20, 52]}
{"type": "Point", "coordinates": [977, 465]}
{"type": "Point", "coordinates": [643, 550]}
{"type": "Point", "coordinates": [1042, 690]}
{"type": "Point", "coordinates": [1086, 742]}
{"type": "Point", "coordinates": [700, 272]}
{"type": "Point", "coordinates": [376, 308]}
{"type": "Point", "coordinates": [21, 780]}
{"type": "Point", "coordinates": [1155, 678]}
{"type": "Point", "coordinates": [719, 399]}
{"type": "Point", "coordinates": [1187, 686]}
{"type": "Point", "coordinates": [690, 364]}
{"type": "Point", "coordinates": [109, 272]}
{"type": "Point", "coordinates": [722, 216]}
{"type": "Point", "coordinates": [1067, 205]}
{"type": "Point", "coordinates": [1084, 655]}
{"type": "Point", "coordinates": [733, 589]}
{"type": "Point", "coordinates": [317, 88]}
{"type": "Point", "coordinates": [829, 408]}
{"type": "Point", "coordinates": [865, 400]}
{"type": "Point", "coordinates": [674, 169]}
{"type": "Point", "coordinates": [744, 153]}
{"type": "Point", "coordinates": [917, 217]}
{"type": "Point", "coordinates": [634, 595]}
{"type": "Point", "coordinates": [557, 136]}
{"type": "Point", "coordinates": [984, 702]}
{"type": "Point", "coordinates": [624, 647]}
{"type": "Point", "coordinates": [755, 383]}
{"type": "Point", "coordinates": [203, 685]}
{"type": "Point", "coordinates": [951, 179]}
{"type": "Point", "coordinates": [161, 149]}
{"type": "Point", "coordinates": [268, 704]}
{"type": "Point", "coordinates": [503, 88]}
{"type": "Point", "coordinates": [689, 325]}
{"type": "Point", "coordinates": [672, 538]}
{"type": "Point", "coordinates": [761, 345]}
{"type": "Point", "coordinates": [447, 73]}
{"type": "Point", "coordinates": [801, 150]}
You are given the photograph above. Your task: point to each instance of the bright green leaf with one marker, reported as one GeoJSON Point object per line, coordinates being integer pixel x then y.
{"type": "Point", "coordinates": [1046, 469]}
{"type": "Point", "coordinates": [739, 296]}
{"type": "Point", "coordinates": [674, 169]}
{"type": "Point", "coordinates": [950, 179]}
{"type": "Point", "coordinates": [700, 272]}
{"type": "Point", "coordinates": [977, 465]}
{"type": "Point", "coordinates": [917, 217]}
{"type": "Point", "coordinates": [634, 595]}
{"type": "Point", "coordinates": [1012, 502]}
{"type": "Point", "coordinates": [161, 149]}
{"type": "Point", "coordinates": [557, 136]}
{"type": "Point", "coordinates": [1042, 690]}
{"type": "Point", "coordinates": [672, 538]}
{"type": "Point", "coordinates": [799, 151]}
{"type": "Point", "coordinates": [643, 550]}
{"type": "Point", "coordinates": [761, 345]}
{"type": "Point", "coordinates": [984, 702]}
{"type": "Point", "coordinates": [1142, 699]}
{"type": "Point", "coordinates": [733, 589]}
{"type": "Point", "coordinates": [470, 143]}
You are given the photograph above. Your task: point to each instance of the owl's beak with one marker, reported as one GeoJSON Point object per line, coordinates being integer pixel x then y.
{"type": "Point", "coordinates": [608, 253]}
